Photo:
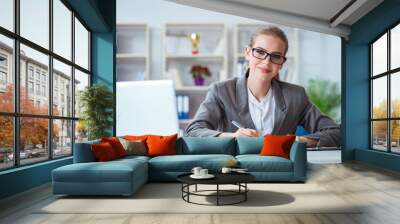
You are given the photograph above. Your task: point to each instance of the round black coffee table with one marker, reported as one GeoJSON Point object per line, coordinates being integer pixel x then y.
{"type": "Point", "coordinates": [238, 179]}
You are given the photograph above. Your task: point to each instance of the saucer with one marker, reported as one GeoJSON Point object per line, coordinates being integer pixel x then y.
{"type": "Point", "coordinates": [208, 176]}
{"type": "Point", "coordinates": [240, 171]}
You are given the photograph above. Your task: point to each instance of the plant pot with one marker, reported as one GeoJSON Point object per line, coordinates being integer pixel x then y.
{"type": "Point", "coordinates": [199, 82]}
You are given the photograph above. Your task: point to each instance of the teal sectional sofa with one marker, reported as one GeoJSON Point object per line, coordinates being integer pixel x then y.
{"type": "Point", "coordinates": [125, 176]}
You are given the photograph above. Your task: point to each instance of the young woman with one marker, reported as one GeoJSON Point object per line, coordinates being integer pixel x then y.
{"type": "Point", "coordinates": [259, 102]}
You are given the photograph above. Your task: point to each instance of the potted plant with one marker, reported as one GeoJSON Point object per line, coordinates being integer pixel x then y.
{"type": "Point", "coordinates": [96, 102]}
{"type": "Point", "coordinates": [198, 72]}
{"type": "Point", "coordinates": [326, 96]}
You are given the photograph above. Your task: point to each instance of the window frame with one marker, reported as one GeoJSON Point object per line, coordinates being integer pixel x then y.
{"type": "Point", "coordinates": [388, 74]}
{"type": "Point", "coordinates": [16, 114]}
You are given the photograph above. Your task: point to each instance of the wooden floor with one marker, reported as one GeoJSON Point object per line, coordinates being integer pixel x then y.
{"type": "Point", "coordinates": [377, 188]}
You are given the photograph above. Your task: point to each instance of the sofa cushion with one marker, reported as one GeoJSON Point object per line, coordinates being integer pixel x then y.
{"type": "Point", "coordinates": [206, 145]}
{"type": "Point", "coordinates": [131, 158]}
{"type": "Point", "coordinates": [112, 171]}
{"type": "Point", "coordinates": [116, 145]}
{"type": "Point", "coordinates": [103, 152]}
{"type": "Point", "coordinates": [249, 145]}
{"type": "Point", "coordinates": [257, 163]}
{"type": "Point", "coordinates": [136, 137]}
{"type": "Point", "coordinates": [185, 163]}
{"type": "Point", "coordinates": [134, 147]}
{"type": "Point", "coordinates": [161, 145]}
{"type": "Point", "coordinates": [277, 145]}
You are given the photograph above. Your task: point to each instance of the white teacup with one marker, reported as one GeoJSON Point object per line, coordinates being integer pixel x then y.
{"type": "Point", "coordinates": [196, 171]}
{"type": "Point", "coordinates": [203, 172]}
{"type": "Point", "coordinates": [226, 170]}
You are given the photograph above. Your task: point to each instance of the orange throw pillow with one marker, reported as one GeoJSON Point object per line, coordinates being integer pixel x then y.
{"type": "Point", "coordinates": [103, 152]}
{"type": "Point", "coordinates": [161, 145]}
{"type": "Point", "coordinates": [136, 137]}
{"type": "Point", "coordinates": [116, 145]}
{"type": "Point", "coordinates": [277, 145]}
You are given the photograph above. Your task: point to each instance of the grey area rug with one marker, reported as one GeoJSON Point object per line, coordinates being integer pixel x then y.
{"type": "Point", "coordinates": [166, 198]}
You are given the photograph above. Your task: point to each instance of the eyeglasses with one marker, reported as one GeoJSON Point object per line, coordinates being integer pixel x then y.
{"type": "Point", "coordinates": [274, 58]}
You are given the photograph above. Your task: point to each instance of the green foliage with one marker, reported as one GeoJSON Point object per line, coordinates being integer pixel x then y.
{"type": "Point", "coordinates": [325, 95]}
{"type": "Point", "coordinates": [97, 104]}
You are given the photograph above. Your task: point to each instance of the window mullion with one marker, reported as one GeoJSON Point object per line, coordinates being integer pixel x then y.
{"type": "Point", "coordinates": [16, 83]}
{"type": "Point", "coordinates": [50, 81]}
{"type": "Point", "coordinates": [389, 106]}
{"type": "Point", "coordinates": [371, 142]}
{"type": "Point", "coordinates": [73, 82]}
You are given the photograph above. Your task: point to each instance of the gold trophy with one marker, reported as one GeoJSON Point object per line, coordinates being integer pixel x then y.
{"type": "Point", "coordinates": [195, 38]}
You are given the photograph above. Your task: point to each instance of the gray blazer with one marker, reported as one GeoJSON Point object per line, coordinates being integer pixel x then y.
{"type": "Point", "coordinates": [227, 101]}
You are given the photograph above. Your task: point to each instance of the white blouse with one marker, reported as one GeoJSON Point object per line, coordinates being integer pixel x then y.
{"type": "Point", "coordinates": [262, 113]}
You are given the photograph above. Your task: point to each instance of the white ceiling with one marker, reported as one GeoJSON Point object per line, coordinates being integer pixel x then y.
{"type": "Point", "coordinates": [325, 16]}
{"type": "Point", "coordinates": [320, 9]}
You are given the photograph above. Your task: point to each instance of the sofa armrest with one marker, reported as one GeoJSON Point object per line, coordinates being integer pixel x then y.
{"type": "Point", "coordinates": [83, 152]}
{"type": "Point", "coordinates": [298, 155]}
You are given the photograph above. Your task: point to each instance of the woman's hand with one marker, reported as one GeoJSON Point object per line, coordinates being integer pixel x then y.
{"type": "Point", "coordinates": [244, 132]}
{"type": "Point", "coordinates": [310, 142]}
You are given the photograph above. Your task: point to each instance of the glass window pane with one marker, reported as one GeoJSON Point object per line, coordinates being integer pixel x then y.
{"type": "Point", "coordinates": [35, 21]}
{"type": "Point", "coordinates": [6, 74]}
{"type": "Point", "coordinates": [81, 81]}
{"type": "Point", "coordinates": [379, 98]}
{"type": "Point", "coordinates": [81, 45]}
{"type": "Point", "coordinates": [62, 138]}
{"type": "Point", "coordinates": [34, 97]}
{"type": "Point", "coordinates": [395, 94]}
{"type": "Point", "coordinates": [7, 14]}
{"type": "Point", "coordinates": [395, 47]}
{"type": "Point", "coordinates": [395, 136]}
{"type": "Point", "coordinates": [379, 55]}
{"type": "Point", "coordinates": [62, 29]}
{"type": "Point", "coordinates": [379, 135]}
{"type": "Point", "coordinates": [33, 139]}
{"type": "Point", "coordinates": [81, 131]}
{"type": "Point", "coordinates": [62, 89]}
{"type": "Point", "coordinates": [6, 142]}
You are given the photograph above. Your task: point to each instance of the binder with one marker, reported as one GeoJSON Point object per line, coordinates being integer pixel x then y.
{"type": "Point", "coordinates": [179, 102]}
{"type": "Point", "coordinates": [185, 107]}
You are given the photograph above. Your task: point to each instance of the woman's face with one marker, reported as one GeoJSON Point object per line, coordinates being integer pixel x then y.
{"type": "Point", "coordinates": [264, 69]}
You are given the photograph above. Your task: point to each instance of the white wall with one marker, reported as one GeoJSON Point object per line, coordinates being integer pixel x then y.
{"type": "Point", "coordinates": [158, 12]}
{"type": "Point", "coordinates": [320, 54]}
{"type": "Point", "coordinates": [320, 57]}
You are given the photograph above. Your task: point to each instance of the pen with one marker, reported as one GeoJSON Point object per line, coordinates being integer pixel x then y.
{"type": "Point", "coordinates": [238, 125]}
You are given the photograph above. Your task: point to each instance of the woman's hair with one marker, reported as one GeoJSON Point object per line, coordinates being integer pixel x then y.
{"type": "Point", "coordinates": [270, 30]}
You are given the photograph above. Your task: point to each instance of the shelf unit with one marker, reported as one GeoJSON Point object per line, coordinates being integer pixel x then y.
{"type": "Point", "coordinates": [133, 52]}
{"type": "Point", "coordinates": [178, 59]}
{"type": "Point", "coordinates": [242, 35]}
